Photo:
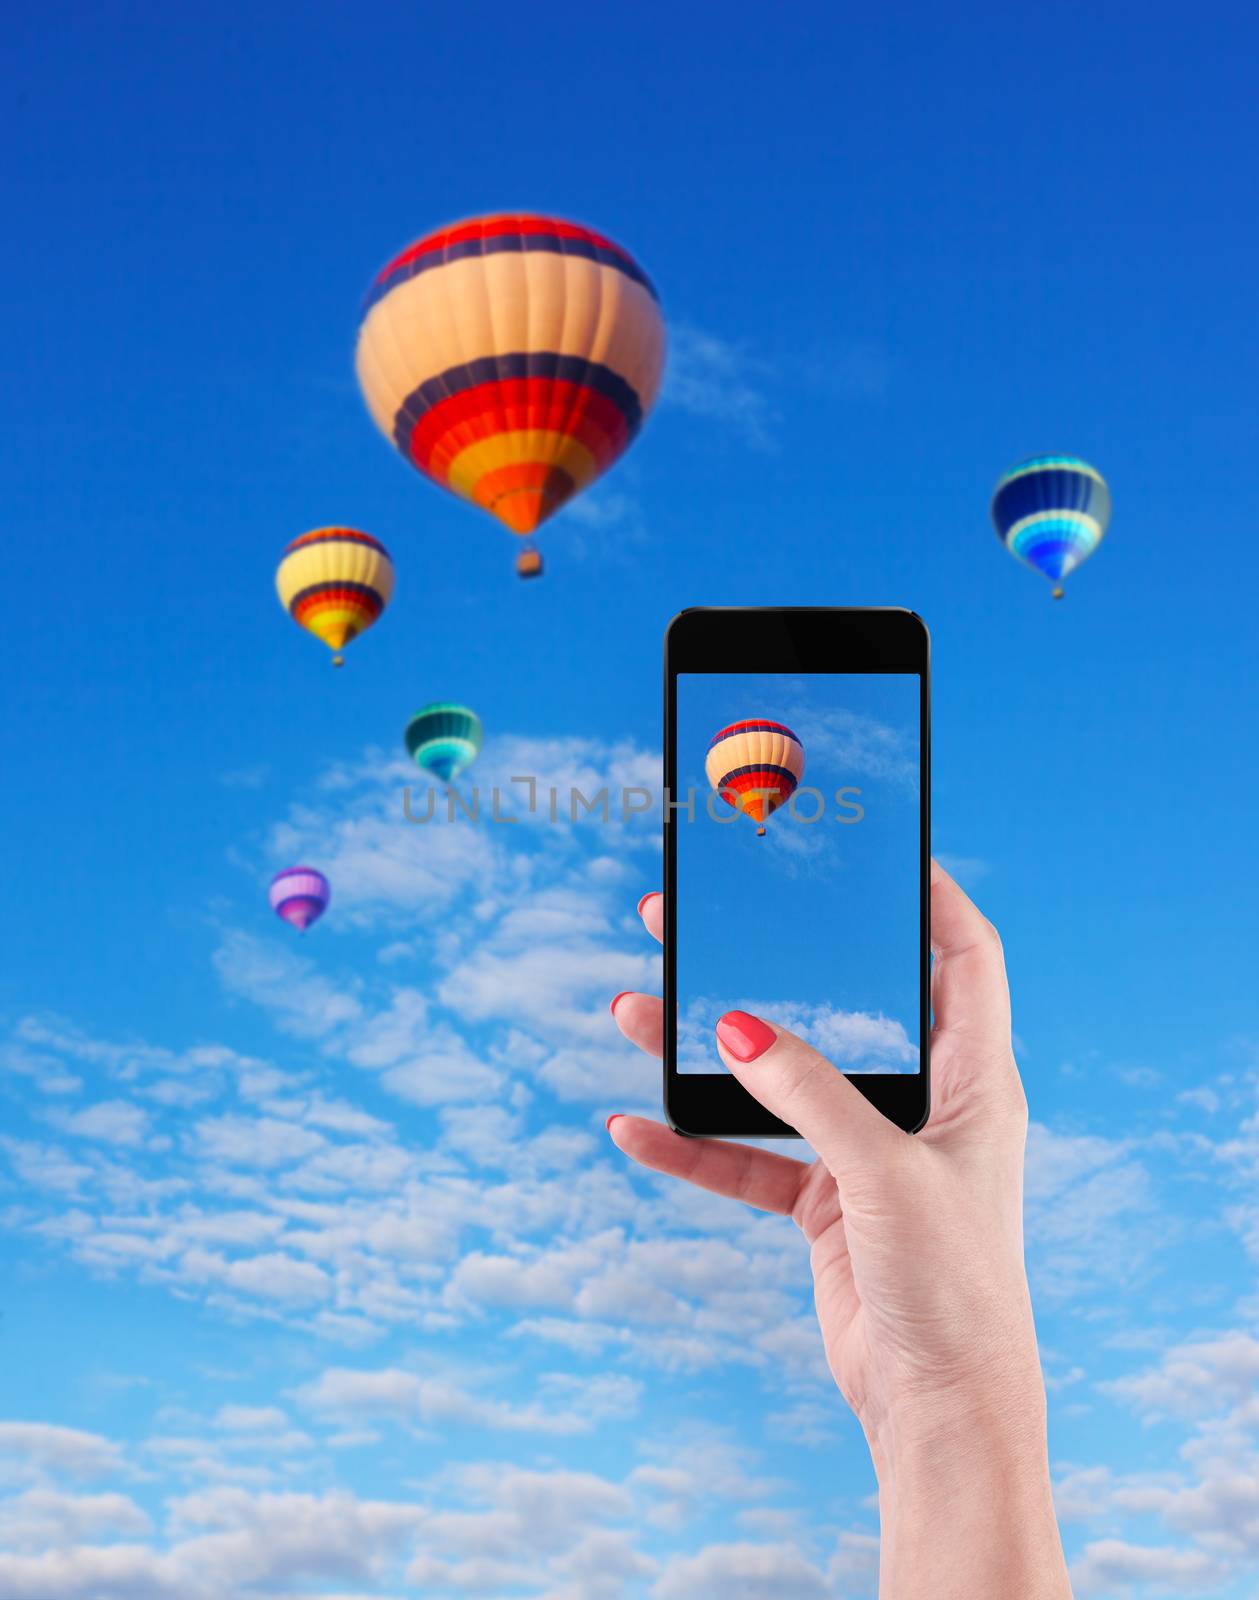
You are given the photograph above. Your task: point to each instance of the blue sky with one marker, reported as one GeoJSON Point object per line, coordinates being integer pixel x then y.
{"type": "Point", "coordinates": [321, 1278]}
{"type": "Point", "coordinates": [816, 923]}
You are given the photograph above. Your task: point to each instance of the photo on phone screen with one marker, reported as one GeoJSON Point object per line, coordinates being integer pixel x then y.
{"type": "Point", "coordinates": [798, 867]}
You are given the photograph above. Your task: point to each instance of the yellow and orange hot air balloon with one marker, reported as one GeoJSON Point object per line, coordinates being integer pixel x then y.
{"type": "Point", "coordinates": [512, 359]}
{"type": "Point", "coordinates": [755, 765]}
{"type": "Point", "coordinates": [335, 582]}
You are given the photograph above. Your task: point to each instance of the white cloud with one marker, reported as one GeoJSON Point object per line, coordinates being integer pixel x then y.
{"type": "Point", "coordinates": [602, 510]}
{"type": "Point", "coordinates": [273, 1541]}
{"type": "Point", "coordinates": [1113, 1568]}
{"type": "Point", "coordinates": [273, 1276]}
{"type": "Point", "coordinates": [559, 983]}
{"type": "Point", "coordinates": [616, 1075]}
{"type": "Point", "coordinates": [1089, 1206]}
{"type": "Point", "coordinates": [111, 1121]}
{"type": "Point", "coordinates": [261, 1142]}
{"type": "Point", "coordinates": [719, 381]}
{"type": "Point", "coordinates": [695, 1465]}
{"type": "Point", "coordinates": [855, 1565]}
{"type": "Point", "coordinates": [40, 1520]}
{"type": "Point", "coordinates": [1083, 1494]}
{"type": "Point", "coordinates": [564, 1404]}
{"type": "Point", "coordinates": [34, 1449]}
{"type": "Point", "coordinates": [742, 1571]}
{"type": "Point", "coordinates": [45, 1072]}
{"type": "Point", "coordinates": [267, 1426]}
{"type": "Point", "coordinates": [1197, 1378]}
{"type": "Point", "coordinates": [544, 1530]}
{"type": "Point", "coordinates": [855, 745]}
{"type": "Point", "coordinates": [45, 1166]}
{"type": "Point", "coordinates": [419, 1060]}
{"type": "Point", "coordinates": [143, 1065]}
{"type": "Point", "coordinates": [1220, 1509]}
{"type": "Point", "coordinates": [297, 996]}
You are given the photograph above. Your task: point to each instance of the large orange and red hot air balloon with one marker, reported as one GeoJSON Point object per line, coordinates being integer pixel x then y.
{"type": "Point", "coordinates": [512, 359]}
{"type": "Point", "coordinates": [755, 766]}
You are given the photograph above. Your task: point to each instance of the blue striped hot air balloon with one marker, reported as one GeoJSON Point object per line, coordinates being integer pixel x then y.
{"type": "Point", "coordinates": [444, 739]}
{"type": "Point", "coordinates": [1051, 512]}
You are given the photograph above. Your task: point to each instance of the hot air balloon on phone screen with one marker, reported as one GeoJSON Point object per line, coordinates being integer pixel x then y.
{"type": "Point", "coordinates": [755, 766]}
{"type": "Point", "coordinates": [511, 359]}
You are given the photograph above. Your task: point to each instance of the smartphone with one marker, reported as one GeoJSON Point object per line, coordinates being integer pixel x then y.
{"type": "Point", "coordinates": [796, 848]}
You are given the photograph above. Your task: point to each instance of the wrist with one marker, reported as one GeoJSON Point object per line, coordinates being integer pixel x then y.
{"type": "Point", "coordinates": [965, 1502]}
{"type": "Point", "coordinates": [974, 1417]}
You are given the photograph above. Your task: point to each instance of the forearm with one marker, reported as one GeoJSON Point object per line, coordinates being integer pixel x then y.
{"type": "Point", "coordinates": [965, 1506]}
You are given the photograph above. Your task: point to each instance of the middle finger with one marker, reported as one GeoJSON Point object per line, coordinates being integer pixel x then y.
{"type": "Point", "coordinates": [640, 1017]}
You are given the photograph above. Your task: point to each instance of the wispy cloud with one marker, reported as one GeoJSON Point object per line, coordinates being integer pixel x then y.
{"type": "Point", "coordinates": [721, 381]}
{"type": "Point", "coordinates": [1090, 1213]}
{"type": "Point", "coordinates": [245, 777]}
{"type": "Point", "coordinates": [850, 742]}
{"type": "Point", "coordinates": [1113, 1566]}
{"type": "Point", "coordinates": [563, 1404]}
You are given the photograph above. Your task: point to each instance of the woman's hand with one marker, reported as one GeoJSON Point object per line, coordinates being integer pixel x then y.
{"type": "Point", "coordinates": [917, 1255]}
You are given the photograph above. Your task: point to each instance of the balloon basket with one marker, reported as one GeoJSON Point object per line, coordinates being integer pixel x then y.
{"type": "Point", "coordinates": [529, 563]}
{"type": "Point", "coordinates": [1058, 593]}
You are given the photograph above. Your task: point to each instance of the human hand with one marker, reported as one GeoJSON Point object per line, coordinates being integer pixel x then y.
{"type": "Point", "coordinates": [917, 1255]}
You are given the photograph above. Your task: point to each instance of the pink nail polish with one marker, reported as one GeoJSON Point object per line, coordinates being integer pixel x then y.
{"type": "Point", "coordinates": [612, 1119]}
{"type": "Point", "coordinates": [651, 893]}
{"type": "Point", "coordinates": [744, 1035]}
{"type": "Point", "coordinates": [616, 998]}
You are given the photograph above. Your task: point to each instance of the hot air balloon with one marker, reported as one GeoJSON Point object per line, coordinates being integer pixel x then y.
{"type": "Point", "coordinates": [335, 582]}
{"type": "Point", "coordinates": [511, 359]}
{"type": "Point", "coordinates": [444, 739]}
{"type": "Point", "coordinates": [755, 766]}
{"type": "Point", "coordinates": [300, 895]}
{"type": "Point", "coordinates": [1051, 512]}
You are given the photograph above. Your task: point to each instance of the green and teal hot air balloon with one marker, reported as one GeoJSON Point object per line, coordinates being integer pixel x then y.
{"type": "Point", "coordinates": [1051, 512]}
{"type": "Point", "coordinates": [443, 739]}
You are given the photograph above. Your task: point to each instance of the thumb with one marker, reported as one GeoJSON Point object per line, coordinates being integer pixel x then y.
{"type": "Point", "coordinates": [805, 1091]}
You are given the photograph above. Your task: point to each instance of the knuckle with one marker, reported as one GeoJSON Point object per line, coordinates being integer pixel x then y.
{"type": "Point", "coordinates": [1012, 1098]}
{"type": "Point", "coordinates": [989, 935]}
{"type": "Point", "coordinates": [1016, 1105]}
{"type": "Point", "coordinates": [801, 1075]}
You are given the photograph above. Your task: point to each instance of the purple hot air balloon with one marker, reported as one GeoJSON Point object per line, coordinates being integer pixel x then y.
{"type": "Point", "coordinates": [300, 895]}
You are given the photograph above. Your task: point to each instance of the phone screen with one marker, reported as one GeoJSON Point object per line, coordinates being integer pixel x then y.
{"type": "Point", "coordinates": [798, 819]}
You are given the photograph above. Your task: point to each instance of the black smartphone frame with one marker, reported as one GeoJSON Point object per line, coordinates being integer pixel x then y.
{"type": "Point", "coordinates": [804, 639]}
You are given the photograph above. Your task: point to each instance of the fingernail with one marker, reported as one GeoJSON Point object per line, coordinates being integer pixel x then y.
{"type": "Point", "coordinates": [744, 1035]}
{"type": "Point", "coordinates": [612, 1119]}
{"type": "Point", "coordinates": [650, 895]}
{"type": "Point", "coordinates": [618, 997]}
